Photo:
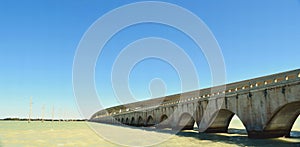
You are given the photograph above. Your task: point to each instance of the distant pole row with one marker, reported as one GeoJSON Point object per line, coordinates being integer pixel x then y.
{"type": "Point", "coordinates": [64, 114]}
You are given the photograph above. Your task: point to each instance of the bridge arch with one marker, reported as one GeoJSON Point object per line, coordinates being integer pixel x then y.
{"type": "Point", "coordinates": [295, 131]}
{"type": "Point", "coordinates": [163, 122]}
{"type": "Point", "coordinates": [163, 118]}
{"type": "Point", "coordinates": [281, 123]}
{"type": "Point", "coordinates": [186, 122]}
{"type": "Point", "coordinates": [132, 123]}
{"type": "Point", "coordinates": [122, 120]}
{"type": "Point", "coordinates": [150, 121]}
{"type": "Point", "coordinates": [127, 121]}
{"type": "Point", "coordinates": [140, 121]}
{"type": "Point", "coordinates": [221, 122]}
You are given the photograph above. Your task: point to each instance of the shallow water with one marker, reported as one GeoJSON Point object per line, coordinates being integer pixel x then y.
{"type": "Point", "coordinates": [21, 133]}
{"type": "Point", "coordinates": [17, 133]}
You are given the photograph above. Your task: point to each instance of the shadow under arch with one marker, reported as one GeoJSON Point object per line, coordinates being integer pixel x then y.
{"type": "Point", "coordinates": [140, 122]}
{"type": "Point", "coordinates": [186, 122]}
{"type": "Point", "coordinates": [127, 121]}
{"type": "Point", "coordinates": [222, 121]}
{"type": "Point", "coordinates": [122, 120]}
{"type": "Point", "coordinates": [163, 122]}
{"type": "Point", "coordinates": [132, 121]}
{"type": "Point", "coordinates": [163, 118]}
{"type": "Point", "coordinates": [281, 123]}
{"type": "Point", "coordinates": [150, 121]}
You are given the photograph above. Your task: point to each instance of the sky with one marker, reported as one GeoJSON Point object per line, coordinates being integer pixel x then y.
{"type": "Point", "coordinates": [39, 39]}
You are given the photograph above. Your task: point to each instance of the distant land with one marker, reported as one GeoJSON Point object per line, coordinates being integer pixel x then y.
{"type": "Point", "coordinates": [39, 119]}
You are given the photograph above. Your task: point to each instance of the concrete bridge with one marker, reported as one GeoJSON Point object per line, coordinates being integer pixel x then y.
{"type": "Point", "coordinates": [267, 106]}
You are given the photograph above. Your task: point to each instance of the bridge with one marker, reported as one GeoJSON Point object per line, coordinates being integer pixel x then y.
{"type": "Point", "coordinates": [267, 106]}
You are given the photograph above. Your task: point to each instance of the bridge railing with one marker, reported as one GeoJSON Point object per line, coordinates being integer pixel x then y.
{"type": "Point", "coordinates": [206, 94]}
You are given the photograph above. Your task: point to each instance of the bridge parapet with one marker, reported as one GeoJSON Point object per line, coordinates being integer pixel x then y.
{"type": "Point", "coordinates": [255, 101]}
{"type": "Point", "coordinates": [206, 94]}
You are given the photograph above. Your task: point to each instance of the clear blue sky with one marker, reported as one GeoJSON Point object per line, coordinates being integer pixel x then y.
{"type": "Point", "coordinates": [38, 41]}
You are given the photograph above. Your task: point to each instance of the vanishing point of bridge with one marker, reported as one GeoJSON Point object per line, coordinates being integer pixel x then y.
{"type": "Point", "coordinates": [267, 106]}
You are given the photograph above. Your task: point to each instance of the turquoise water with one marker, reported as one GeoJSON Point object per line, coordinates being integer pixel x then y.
{"type": "Point", "coordinates": [17, 133]}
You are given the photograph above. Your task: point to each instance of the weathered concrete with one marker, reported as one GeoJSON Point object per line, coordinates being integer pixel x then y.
{"type": "Point", "coordinates": [267, 106]}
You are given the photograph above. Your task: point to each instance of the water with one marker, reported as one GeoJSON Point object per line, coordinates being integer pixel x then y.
{"type": "Point", "coordinates": [20, 133]}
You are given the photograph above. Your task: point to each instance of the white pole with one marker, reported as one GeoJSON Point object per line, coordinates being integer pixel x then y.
{"type": "Point", "coordinates": [43, 113]}
{"type": "Point", "coordinates": [30, 109]}
{"type": "Point", "coordinates": [52, 113]}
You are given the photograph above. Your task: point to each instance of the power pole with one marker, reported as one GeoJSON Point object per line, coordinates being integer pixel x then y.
{"type": "Point", "coordinates": [52, 113]}
{"type": "Point", "coordinates": [62, 114]}
{"type": "Point", "coordinates": [43, 113]}
{"type": "Point", "coordinates": [30, 109]}
{"type": "Point", "coordinates": [59, 119]}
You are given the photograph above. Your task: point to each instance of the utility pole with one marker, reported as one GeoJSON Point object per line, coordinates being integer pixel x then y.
{"type": "Point", "coordinates": [52, 113]}
{"type": "Point", "coordinates": [30, 109]}
{"type": "Point", "coordinates": [43, 113]}
{"type": "Point", "coordinates": [62, 114]}
{"type": "Point", "coordinates": [59, 119]}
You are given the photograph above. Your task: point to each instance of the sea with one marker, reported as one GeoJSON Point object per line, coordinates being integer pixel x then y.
{"type": "Point", "coordinates": [68, 133]}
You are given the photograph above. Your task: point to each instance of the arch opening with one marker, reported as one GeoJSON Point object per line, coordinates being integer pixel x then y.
{"type": "Point", "coordinates": [163, 123]}
{"type": "Point", "coordinates": [196, 126]}
{"type": "Point", "coordinates": [122, 121]}
{"type": "Point", "coordinates": [295, 131]}
{"type": "Point", "coordinates": [150, 121]}
{"type": "Point", "coordinates": [186, 122]}
{"type": "Point", "coordinates": [127, 121]}
{"type": "Point", "coordinates": [281, 122]}
{"type": "Point", "coordinates": [222, 121]}
{"type": "Point", "coordinates": [236, 126]}
{"type": "Point", "coordinates": [140, 122]}
{"type": "Point", "coordinates": [163, 118]}
{"type": "Point", "coordinates": [132, 121]}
